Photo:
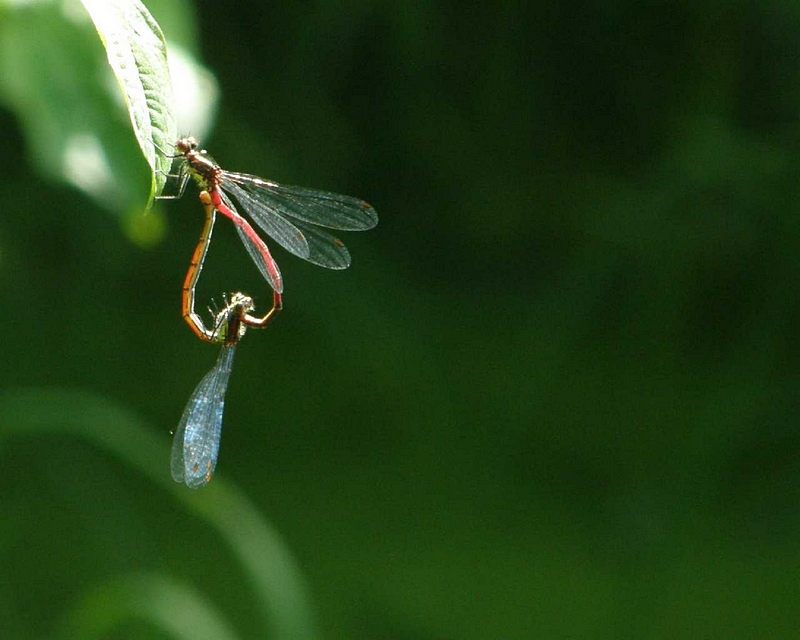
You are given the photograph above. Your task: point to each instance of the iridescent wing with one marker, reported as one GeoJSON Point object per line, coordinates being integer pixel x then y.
{"type": "Point", "coordinates": [287, 214]}
{"type": "Point", "coordinates": [196, 443]}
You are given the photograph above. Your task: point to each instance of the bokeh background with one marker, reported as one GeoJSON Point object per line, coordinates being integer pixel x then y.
{"type": "Point", "coordinates": [556, 394]}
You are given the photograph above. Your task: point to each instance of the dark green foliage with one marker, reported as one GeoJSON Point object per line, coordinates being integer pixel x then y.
{"type": "Point", "coordinates": [556, 395]}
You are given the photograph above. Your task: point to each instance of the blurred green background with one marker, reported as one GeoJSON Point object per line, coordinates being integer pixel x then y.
{"type": "Point", "coordinates": [556, 395]}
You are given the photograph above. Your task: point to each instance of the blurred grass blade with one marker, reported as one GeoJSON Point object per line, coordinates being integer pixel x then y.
{"type": "Point", "coordinates": [275, 578]}
{"type": "Point", "coordinates": [170, 606]}
{"type": "Point", "coordinates": [137, 53]}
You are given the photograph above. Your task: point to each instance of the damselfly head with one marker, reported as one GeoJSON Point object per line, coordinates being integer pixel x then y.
{"type": "Point", "coordinates": [228, 325]}
{"type": "Point", "coordinates": [240, 304]}
{"type": "Point", "coordinates": [185, 145]}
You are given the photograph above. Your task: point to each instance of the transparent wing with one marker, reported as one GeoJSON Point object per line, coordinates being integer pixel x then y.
{"type": "Point", "coordinates": [276, 226]}
{"type": "Point", "coordinates": [255, 246]}
{"type": "Point", "coordinates": [296, 236]}
{"type": "Point", "coordinates": [323, 249]}
{"type": "Point", "coordinates": [196, 443]}
{"type": "Point", "coordinates": [322, 208]}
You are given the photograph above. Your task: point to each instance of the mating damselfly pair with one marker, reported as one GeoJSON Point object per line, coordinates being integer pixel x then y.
{"type": "Point", "coordinates": [297, 219]}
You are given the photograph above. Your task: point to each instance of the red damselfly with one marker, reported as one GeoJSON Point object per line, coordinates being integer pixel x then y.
{"type": "Point", "coordinates": [292, 216]}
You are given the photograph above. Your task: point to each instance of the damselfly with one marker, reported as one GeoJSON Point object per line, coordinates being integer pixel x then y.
{"type": "Point", "coordinates": [196, 443]}
{"type": "Point", "coordinates": [289, 215]}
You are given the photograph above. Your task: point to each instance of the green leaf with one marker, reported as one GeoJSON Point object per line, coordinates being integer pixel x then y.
{"type": "Point", "coordinates": [56, 80]}
{"type": "Point", "coordinates": [137, 53]}
{"type": "Point", "coordinates": [52, 76]}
